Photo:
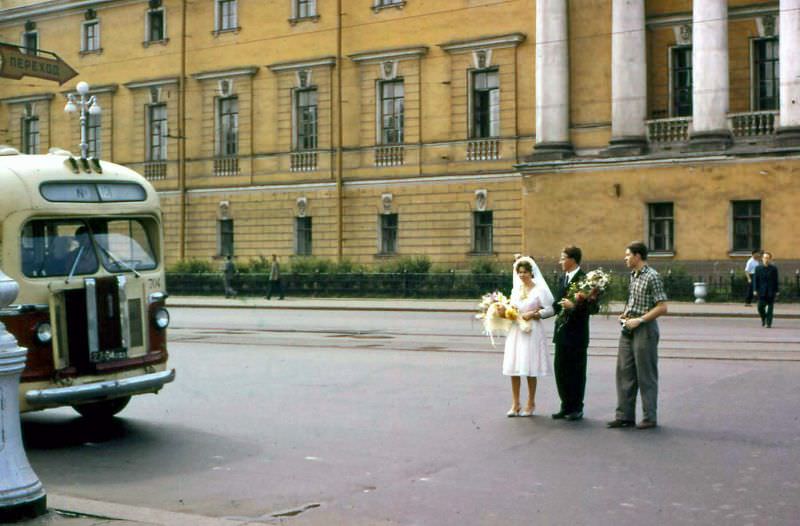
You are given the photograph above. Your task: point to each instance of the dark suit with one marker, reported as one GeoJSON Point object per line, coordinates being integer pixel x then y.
{"type": "Point", "coordinates": [571, 338]}
{"type": "Point", "coordinates": [766, 288]}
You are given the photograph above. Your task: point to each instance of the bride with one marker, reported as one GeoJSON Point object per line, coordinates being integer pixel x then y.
{"type": "Point", "coordinates": [526, 346]}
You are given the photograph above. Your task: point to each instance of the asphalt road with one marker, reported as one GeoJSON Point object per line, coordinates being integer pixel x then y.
{"type": "Point", "coordinates": [399, 418]}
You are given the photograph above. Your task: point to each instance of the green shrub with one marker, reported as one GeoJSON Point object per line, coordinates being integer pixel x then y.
{"type": "Point", "coordinates": [192, 266]}
{"type": "Point", "coordinates": [259, 265]}
{"type": "Point", "coordinates": [310, 264]}
{"type": "Point", "coordinates": [485, 265]}
{"type": "Point", "coordinates": [410, 264]}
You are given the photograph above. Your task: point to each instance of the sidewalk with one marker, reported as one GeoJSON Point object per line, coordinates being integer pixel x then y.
{"type": "Point", "coordinates": [676, 308]}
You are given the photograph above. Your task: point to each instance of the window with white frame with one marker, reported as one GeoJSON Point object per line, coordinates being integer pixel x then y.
{"type": "Point", "coordinates": [92, 132]}
{"type": "Point", "coordinates": [681, 81]}
{"type": "Point", "coordinates": [228, 126]}
{"type": "Point", "coordinates": [302, 230]}
{"type": "Point", "coordinates": [305, 8]}
{"type": "Point", "coordinates": [388, 3]}
{"type": "Point", "coordinates": [30, 133]}
{"type": "Point", "coordinates": [766, 74]}
{"type": "Point", "coordinates": [661, 227]}
{"type": "Point", "coordinates": [226, 15]}
{"type": "Point", "coordinates": [305, 119]}
{"type": "Point", "coordinates": [30, 42]}
{"type": "Point", "coordinates": [392, 109]}
{"type": "Point", "coordinates": [482, 232]}
{"type": "Point", "coordinates": [388, 223]}
{"type": "Point", "coordinates": [157, 132]}
{"type": "Point", "coordinates": [485, 104]}
{"type": "Point", "coordinates": [90, 36]}
{"type": "Point", "coordinates": [156, 29]}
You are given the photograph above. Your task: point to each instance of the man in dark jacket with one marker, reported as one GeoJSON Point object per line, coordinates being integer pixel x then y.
{"type": "Point", "coordinates": [766, 287]}
{"type": "Point", "coordinates": [571, 337]}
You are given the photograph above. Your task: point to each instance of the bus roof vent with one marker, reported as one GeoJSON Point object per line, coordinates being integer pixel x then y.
{"type": "Point", "coordinates": [8, 150]}
{"type": "Point", "coordinates": [58, 151]}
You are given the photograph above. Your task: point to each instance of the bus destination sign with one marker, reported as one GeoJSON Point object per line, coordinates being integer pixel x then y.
{"type": "Point", "coordinates": [15, 64]}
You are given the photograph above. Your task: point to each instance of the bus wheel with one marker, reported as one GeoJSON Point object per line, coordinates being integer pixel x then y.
{"type": "Point", "coordinates": [104, 409]}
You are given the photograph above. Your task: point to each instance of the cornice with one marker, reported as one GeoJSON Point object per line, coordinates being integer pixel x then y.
{"type": "Point", "coordinates": [39, 9]}
{"type": "Point", "coordinates": [21, 99]}
{"type": "Point", "coordinates": [734, 13]}
{"type": "Point", "coordinates": [136, 84]}
{"type": "Point", "coordinates": [302, 64]}
{"type": "Point", "coordinates": [247, 71]}
{"type": "Point", "coordinates": [496, 41]}
{"type": "Point", "coordinates": [388, 54]}
{"type": "Point", "coordinates": [94, 90]}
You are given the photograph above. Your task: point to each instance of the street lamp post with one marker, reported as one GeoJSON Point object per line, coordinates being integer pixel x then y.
{"type": "Point", "coordinates": [86, 104]}
{"type": "Point", "coordinates": [21, 492]}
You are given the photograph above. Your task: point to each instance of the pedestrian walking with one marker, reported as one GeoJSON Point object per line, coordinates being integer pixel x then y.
{"type": "Point", "coordinates": [275, 278]}
{"type": "Point", "coordinates": [637, 356]}
{"type": "Point", "coordinates": [749, 272]}
{"type": "Point", "coordinates": [228, 272]}
{"type": "Point", "coordinates": [766, 287]}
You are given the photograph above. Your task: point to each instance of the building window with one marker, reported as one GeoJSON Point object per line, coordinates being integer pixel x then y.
{"type": "Point", "coordinates": [302, 228]}
{"type": "Point", "coordinates": [157, 132]}
{"type": "Point", "coordinates": [380, 4]}
{"type": "Point", "coordinates": [156, 29]}
{"type": "Point", "coordinates": [227, 19]}
{"type": "Point", "coordinates": [225, 237]}
{"type": "Point", "coordinates": [388, 233]}
{"type": "Point", "coordinates": [228, 129]}
{"type": "Point", "coordinates": [482, 232]}
{"type": "Point", "coordinates": [746, 226]}
{"type": "Point", "coordinates": [392, 109]}
{"type": "Point", "coordinates": [485, 104]}
{"type": "Point", "coordinates": [92, 132]}
{"type": "Point", "coordinates": [681, 81]}
{"type": "Point", "coordinates": [90, 40]}
{"type": "Point", "coordinates": [661, 227]}
{"type": "Point", "coordinates": [305, 8]}
{"type": "Point", "coordinates": [306, 119]}
{"type": "Point", "coordinates": [30, 132]}
{"type": "Point", "coordinates": [765, 69]}
{"type": "Point", "coordinates": [30, 42]}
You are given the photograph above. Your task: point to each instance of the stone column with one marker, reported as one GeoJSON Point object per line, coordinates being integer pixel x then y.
{"type": "Point", "coordinates": [710, 81]}
{"type": "Point", "coordinates": [628, 78]}
{"type": "Point", "coordinates": [788, 133]}
{"type": "Point", "coordinates": [552, 81]}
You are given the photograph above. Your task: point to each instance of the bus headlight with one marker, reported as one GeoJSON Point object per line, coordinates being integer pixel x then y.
{"type": "Point", "coordinates": [44, 332]}
{"type": "Point", "coordinates": [161, 318]}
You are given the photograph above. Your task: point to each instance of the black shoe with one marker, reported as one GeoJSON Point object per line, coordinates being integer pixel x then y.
{"type": "Point", "coordinates": [616, 424]}
{"type": "Point", "coordinates": [646, 424]}
{"type": "Point", "coordinates": [558, 416]}
{"type": "Point", "coordinates": [574, 416]}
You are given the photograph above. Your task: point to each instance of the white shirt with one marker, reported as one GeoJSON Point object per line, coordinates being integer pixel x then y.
{"type": "Point", "coordinates": [548, 310]}
{"type": "Point", "coordinates": [750, 266]}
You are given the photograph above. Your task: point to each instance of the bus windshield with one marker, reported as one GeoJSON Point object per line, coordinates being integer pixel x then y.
{"type": "Point", "coordinates": [75, 247]}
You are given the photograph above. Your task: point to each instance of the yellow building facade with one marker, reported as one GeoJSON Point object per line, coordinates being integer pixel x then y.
{"type": "Point", "coordinates": [372, 129]}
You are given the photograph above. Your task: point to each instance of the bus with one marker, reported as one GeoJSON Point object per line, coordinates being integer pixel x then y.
{"type": "Point", "coordinates": [83, 239]}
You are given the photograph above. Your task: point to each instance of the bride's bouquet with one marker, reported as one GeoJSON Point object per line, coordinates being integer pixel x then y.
{"type": "Point", "coordinates": [590, 288]}
{"type": "Point", "coordinates": [498, 315]}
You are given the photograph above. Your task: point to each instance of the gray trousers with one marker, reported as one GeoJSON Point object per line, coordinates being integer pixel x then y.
{"type": "Point", "coordinates": [637, 370]}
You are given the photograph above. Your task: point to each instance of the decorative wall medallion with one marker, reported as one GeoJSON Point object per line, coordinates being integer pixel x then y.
{"type": "Point", "coordinates": [386, 201]}
{"type": "Point", "coordinates": [225, 87]}
{"type": "Point", "coordinates": [224, 209]}
{"type": "Point", "coordinates": [302, 206]}
{"type": "Point", "coordinates": [155, 94]}
{"type": "Point", "coordinates": [683, 34]}
{"type": "Point", "coordinates": [481, 198]}
{"type": "Point", "coordinates": [303, 78]}
{"type": "Point", "coordinates": [482, 58]}
{"type": "Point", "coordinates": [767, 26]}
{"type": "Point", "coordinates": [388, 70]}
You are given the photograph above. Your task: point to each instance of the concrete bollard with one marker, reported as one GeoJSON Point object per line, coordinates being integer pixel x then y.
{"type": "Point", "coordinates": [21, 492]}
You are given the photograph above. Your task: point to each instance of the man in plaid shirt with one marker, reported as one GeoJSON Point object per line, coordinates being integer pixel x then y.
{"type": "Point", "coordinates": [637, 359]}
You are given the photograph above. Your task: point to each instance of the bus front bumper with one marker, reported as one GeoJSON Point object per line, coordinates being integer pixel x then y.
{"type": "Point", "coordinates": [56, 396]}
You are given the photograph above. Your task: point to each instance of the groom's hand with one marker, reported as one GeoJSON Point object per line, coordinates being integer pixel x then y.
{"type": "Point", "coordinates": [534, 315]}
{"type": "Point", "coordinates": [567, 304]}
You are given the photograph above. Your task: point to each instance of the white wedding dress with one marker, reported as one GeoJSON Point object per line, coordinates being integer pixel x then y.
{"type": "Point", "coordinates": [526, 352]}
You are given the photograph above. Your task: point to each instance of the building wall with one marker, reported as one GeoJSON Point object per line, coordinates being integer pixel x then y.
{"type": "Point", "coordinates": [433, 188]}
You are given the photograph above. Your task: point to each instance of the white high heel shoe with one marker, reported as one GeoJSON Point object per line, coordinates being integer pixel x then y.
{"type": "Point", "coordinates": [512, 412]}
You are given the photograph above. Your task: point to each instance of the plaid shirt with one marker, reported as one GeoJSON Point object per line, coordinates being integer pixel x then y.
{"type": "Point", "coordinates": [646, 289]}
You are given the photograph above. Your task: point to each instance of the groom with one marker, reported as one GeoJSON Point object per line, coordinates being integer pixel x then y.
{"type": "Point", "coordinates": [571, 337]}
